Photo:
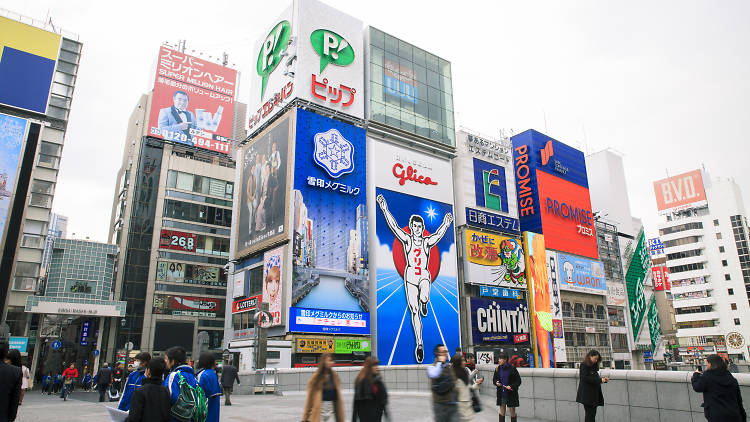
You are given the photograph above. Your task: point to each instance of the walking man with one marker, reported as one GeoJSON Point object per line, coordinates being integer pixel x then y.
{"type": "Point", "coordinates": [228, 377]}
{"type": "Point", "coordinates": [443, 384]}
{"type": "Point", "coordinates": [103, 380]}
{"type": "Point", "coordinates": [10, 387]}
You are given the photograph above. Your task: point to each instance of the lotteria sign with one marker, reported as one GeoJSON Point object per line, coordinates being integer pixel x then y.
{"type": "Point", "coordinates": [637, 270]}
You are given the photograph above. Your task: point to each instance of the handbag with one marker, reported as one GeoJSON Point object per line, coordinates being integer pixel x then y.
{"type": "Point", "coordinates": [475, 403]}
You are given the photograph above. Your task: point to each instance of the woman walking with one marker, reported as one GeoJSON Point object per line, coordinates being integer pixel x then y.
{"type": "Point", "coordinates": [722, 400]}
{"type": "Point", "coordinates": [324, 401]}
{"type": "Point", "coordinates": [590, 385]}
{"type": "Point", "coordinates": [370, 395]}
{"type": "Point", "coordinates": [464, 387]}
{"type": "Point", "coordinates": [507, 380]}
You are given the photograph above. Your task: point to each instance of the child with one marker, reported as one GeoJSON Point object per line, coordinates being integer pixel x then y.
{"type": "Point", "coordinates": [150, 402]}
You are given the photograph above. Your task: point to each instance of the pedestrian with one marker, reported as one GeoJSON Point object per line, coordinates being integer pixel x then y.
{"type": "Point", "coordinates": [134, 380]}
{"type": "Point", "coordinates": [103, 380]}
{"type": "Point", "coordinates": [228, 377]}
{"type": "Point", "coordinates": [442, 382]}
{"type": "Point", "coordinates": [86, 381]}
{"type": "Point", "coordinates": [370, 395]}
{"type": "Point", "coordinates": [178, 369]}
{"type": "Point", "coordinates": [209, 382]}
{"type": "Point", "coordinates": [722, 400]}
{"type": "Point", "coordinates": [15, 359]}
{"type": "Point", "coordinates": [47, 384]}
{"type": "Point", "coordinates": [69, 376]}
{"type": "Point", "coordinates": [590, 385]}
{"type": "Point", "coordinates": [10, 387]}
{"type": "Point", "coordinates": [733, 367]}
{"type": "Point", "coordinates": [464, 387]}
{"type": "Point", "coordinates": [324, 401]}
{"type": "Point", "coordinates": [471, 367]}
{"type": "Point", "coordinates": [150, 402]}
{"type": "Point", "coordinates": [507, 380]}
{"type": "Point", "coordinates": [118, 374]}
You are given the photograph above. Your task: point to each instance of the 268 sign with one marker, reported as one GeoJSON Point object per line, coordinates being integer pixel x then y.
{"type": "Point", "coordinates": [180, 241]}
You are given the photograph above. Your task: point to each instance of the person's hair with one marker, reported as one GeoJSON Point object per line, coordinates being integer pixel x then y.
{"type": "Point", "coordinates": [321, 377]}
{"type": "Point", "coordinates": [156, 368]}
{"type": "Point", "coordinates": [416, 219]}
{"type": "Point", "coordinates": [366, 371]}
{"type": "Point", "coordinates": [71, 364]}
{"type": "Point", "coordinates": [206, 360]}
{"type": "Point", "coordinates": [469, 356]}
{"type": "Point", "coordinates": [588, 359]}
{"type": "Point", "coordinates": [458, 368]}
{"type": "Point", "coordinates": [3, 351]}
{"type": "Point", "coordinates": [176, 354]}
{"type": "Point", "coordinates": [274, 269]}
{"type": "Point", "coordinates": [14, 356]}
{"type": "Point", "coordinates": [437, 348]}
{"type": "Point", "coordinates": [143, 357]}
{"type": "Point", "coordinates": [717, 362]}
{"type": "Point", "coordinates": [502, 355]}
{"type": "Point", "coordinates": [180, 92]}
{"type": "Point", "coordinates": [105, 364]}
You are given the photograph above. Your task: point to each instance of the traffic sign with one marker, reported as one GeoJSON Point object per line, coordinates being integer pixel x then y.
{"type": "Point", "coordinates": [96, 353]}
{"type": "Point", "coordinates": [56, 345]}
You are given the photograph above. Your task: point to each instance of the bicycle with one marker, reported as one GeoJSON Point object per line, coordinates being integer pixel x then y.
{"type": "Point", "coordinates": [66, 388]}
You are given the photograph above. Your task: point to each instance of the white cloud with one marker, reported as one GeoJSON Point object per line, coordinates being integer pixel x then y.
{"type": "Point", "coordinates": [383, 256]}
{"type": "Point", "coordinates": [448, 262]}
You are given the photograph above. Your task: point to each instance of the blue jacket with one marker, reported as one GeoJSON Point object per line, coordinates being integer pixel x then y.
{"type": "Point", "coordinates": [173, 383]}
{"type": "Point", "coordinates": [134, 381]}
{"type": "Point", "coordinates": [209, 382]}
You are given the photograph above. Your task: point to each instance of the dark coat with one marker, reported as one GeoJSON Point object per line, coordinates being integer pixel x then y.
{"type": "Point", "coordinates": [514, 381]}
{"type": "Point", "coordinates": [370, 400]}
{"type": "Point", "coordinates": [150, 403]}
{"type": "Point", "coordinates": [10, 391]}
{"type": "Point", "coordinates": [589, 386]}
{"type": "Point", "coordinates": [722, 400]}
{"type": "Point", "coordinates": [229, 376]}
{"type": "Point", "coordinates": [104, 378]}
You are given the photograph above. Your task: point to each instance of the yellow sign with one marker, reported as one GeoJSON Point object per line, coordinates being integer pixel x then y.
{"type": "Point", "coordinates": [316, 345]}
{"type": "Point", "coordinates": [494, 260]}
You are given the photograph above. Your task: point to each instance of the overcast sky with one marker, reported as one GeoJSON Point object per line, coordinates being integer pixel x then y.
{"type": "Point", "coordinates": [667, 84]}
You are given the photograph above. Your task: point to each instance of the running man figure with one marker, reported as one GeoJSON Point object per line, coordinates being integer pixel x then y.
{"type": "Point", "coordinates": [417, 277]}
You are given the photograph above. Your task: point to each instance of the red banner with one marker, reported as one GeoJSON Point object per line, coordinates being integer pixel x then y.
{"type": "Point", "coordinates": [660, 277]}
{"type": "Point", "coordinates": [190, 303]}
{"type": "Point", "coordinates": [193, 101]}
{"type": "Point", "coordinates": [180, 241]}
{"type": "Point", "coordinates": [681, 191]}
{"type": "Point", "coordinates": [520, 338]}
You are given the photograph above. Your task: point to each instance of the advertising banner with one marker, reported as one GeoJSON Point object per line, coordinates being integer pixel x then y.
{"type": "Point", "coordinates": [498, 321]}
{"type": "Point", "coordinates": [680, 192]}
{"type": "Point", "coordinates": [245, 304]}
{"type": "Point", "coordinates": [637, 270]}
{"type": "Point", "coordinates": [181, 241]}
{"type": "Point", "coordinates": [12, 135]}
{"type": "Point", "coordinates": [18, 343]}
{"type": "Point", "coordinates": [193, 101]}
{"type": "Point", "coordinates": [558, 333]}
{"type": "Point", "coordinates": [500, 292]}
{"type": "Point", "coordinates": [187, 305]}
{"type": "Point", "coordinates": [540, 302]}
{"type": "Point", "coordinates": [273, 264]}
{"type": "Point", "coordinates": [417, 289]}
{"type": "Point", "coordinates": [330, 255]}
{"type": "Point", "coordinates": [27, 64]}
{"type": "Point", "coordinates": [659, 278]}
{"type": "Point", "coordinates": [350, 345]}
{"type": "Point", "coordinates": [616, 294]}
{"type": "Point", "coordinates": [303, 320]}
{"type": "Point", "coordinates": [263, 192]}
{"type": "Point", "coordinates": [494, 260]}
{"type": "Point", "coordinates": [581, 274]}
{"type": "Point", "coordinates": [238, 280]}
{"type": "Point", "coordinates": [179, 272]}
{"type": "Point", "coordinates": [315, 345]}
{"type": "Point", "coordinates": [656, 248]}
{"type": "Point", "coordinates": [654, 328]}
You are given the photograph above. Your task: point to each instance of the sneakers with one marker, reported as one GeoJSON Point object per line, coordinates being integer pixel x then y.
{"type": "Point", "coordinates": [423, 310]}
{"type": "Point", "coordinates": [419, 353]}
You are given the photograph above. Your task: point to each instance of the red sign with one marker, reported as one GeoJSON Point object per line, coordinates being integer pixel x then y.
{"type": "Point", "coordinates": [180, 241]}
{"type": "Point", "coordinates": [410, 173]}
{"type": "Point", "coordinates": [567, 220]}
{"type": "Point", "coordinates": [660, 276]}
{"type": "Point", "coordinates": [245, 305]}
{"type": "Point", "coordinates": [679, 191]}
{"type": "Point", "coordinates": [520, 338]}
{"type": "Point", "coordinates": [276, 100]}
{"type": "Point", "coordinates": [190, 303]}
{"type": "Point", "coordinates": [193, 101]}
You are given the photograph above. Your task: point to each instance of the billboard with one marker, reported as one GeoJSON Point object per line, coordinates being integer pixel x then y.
{"type": "Point", "coordinates": [558, 332]}
{"type": "Point", "coordinates": [246, 304]}
{"type": "Point", "coordinates": [679, 192]}
{"type": "Point", "coordinates": [12, 135]}
{"type": "Point", "coordinates": [318, 58]}
{"type": "Point", "coordinates": [494, 260]}
{"type": "Point", "coordinates": [654, 328]}
{"type": "Point", "coordinates": [660, 278]}
{"type": "Point", "coordinates": [581, 274]}
{"type": "Point", "coordinates": [540, 302]}
{"type": "Point", "coordinates": [656, 248]}
{"type": "Point", "coordinates": [193, 101]}
{"type": "Point", "coordinates": [415, 269]}
{"type": "Point", "coordinates": [262, 211]}
{"type": "Point", "coordinates": [180, 241]}
{"type": "Point", "coordinates": [179, 272]}
{"type": "Point", "coordinates": [27, 64]}
{"type": "Point", "coordinates": [499, 321]}
{"type": "Point", "coordinates": [303, 320]}
{"type": "Point", "coordinates": [636, 272]}
{"type": "Point", "coordinates": [273, 292]}
{"type": "Point", "coordinates": [180, 305]}
{"type": "Point", "coordinates": [616, 294]}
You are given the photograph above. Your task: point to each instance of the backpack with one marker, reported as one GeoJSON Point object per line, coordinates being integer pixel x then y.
{"type": "Point", "coordinates": [443, 384]}
{"type": "Point", "coordinates": [191, 404]}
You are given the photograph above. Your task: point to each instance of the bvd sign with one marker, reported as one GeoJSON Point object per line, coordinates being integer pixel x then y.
{"type": "Point", "coordinates": [680, 192]}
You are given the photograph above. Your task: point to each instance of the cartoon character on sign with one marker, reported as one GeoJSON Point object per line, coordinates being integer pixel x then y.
{"type": "Point", "coordinates": [568, 268]}
{"type": "Point", "coordinates": [510, 253]}
{"type": "Point", "coordinates": [420, 266]}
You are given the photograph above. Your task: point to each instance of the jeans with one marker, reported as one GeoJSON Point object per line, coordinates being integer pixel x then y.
{"type": "Point", "coordinates": [445, 412]}
{"type": "Point", "coordinates": [590, 413]}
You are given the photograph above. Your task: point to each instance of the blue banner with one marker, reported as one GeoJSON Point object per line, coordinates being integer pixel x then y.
{"type": "Point", "coordinates": [581, 274]}
{"type": "Point", "coordinates": [499, 321]}
{"type": "Point", "coordinates": [500, 292]}
{"type": "Point", "coordinates": [304, 320]}
{"type": "Point", "coordinates": [18, 343]}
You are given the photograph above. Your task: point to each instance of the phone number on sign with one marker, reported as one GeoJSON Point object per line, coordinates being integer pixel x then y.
{"type": "Point", "coordinates": [195, 139]}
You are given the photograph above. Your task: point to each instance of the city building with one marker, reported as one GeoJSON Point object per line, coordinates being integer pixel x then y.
{"type": "Point", "coordinates": [58, 229]}
{"type": "Point", "coordinates": [704, 232]}
{"type": "Point", "coordinates": [172, 208]}
{"type": "Point", "coordinates": [38, 70]}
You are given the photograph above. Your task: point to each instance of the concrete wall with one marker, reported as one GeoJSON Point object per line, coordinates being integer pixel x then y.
{"type": "Point", "coordinates": [548, 394]}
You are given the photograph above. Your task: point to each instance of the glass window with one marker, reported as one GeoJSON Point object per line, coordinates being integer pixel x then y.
{"type": "Point", "coordinates": [590, 339]}
{"type": "Point", "coordinates": [569, 339]}
{"type": "Point", "coordinates": [724, 262]}
{"type": "Point", "coordinates": [734, 306]}
{"type": "Point", "coordinates": [580, 339]}
{"type": "Point", "coordinates": [48, 161]}
{"type": "Point", "coordinates": [27, 269]}
{"type": "Point", "coordinates": [49, 148]}
{"type": "Point", "coordinates": [27, 284]}
{"type": "Point", "coordinates": [171, 179]}
{"type": "Point", "coordinates": [566, 309]}
{"type": "Point", "coordinates": [578, 310]}
{"type": "Point", "coordinates": [603, 341]}
{"type": "Point", "coordinates": [736, 321]}
{"type": "Point", "coordinates": [718, 235]}
{"type": "Point", "coordinates": [184, 181]}
{"type": "Point", "coordinates": [590, 311]}
{"type": "Point", "coordinates": [730, 292]}
{"type": "Point", "coordinates": [600, 312]}
{"type": "Point", "coordinates": [40, 186]}
{"type": "Point", "coordinates": [40, 200]}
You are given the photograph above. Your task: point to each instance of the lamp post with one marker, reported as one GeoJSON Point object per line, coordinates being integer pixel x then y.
{"type": "Point", "coordinates": [124, 321]}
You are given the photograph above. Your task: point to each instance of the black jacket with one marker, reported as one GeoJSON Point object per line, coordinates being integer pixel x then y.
{"type": "Point", "coordinates": [229, 376]}
{"type": "Point", "coordinates": [589, 387]}
{"type": "Point", "coordinates": [370, 400]}
{"type": "Point", "coordinates": [722, 400]}
{"type": "Point", "coordinates": [104, 377]}
{"type": "Point", "coordinates": [10, 391]}
{"type": "Point", "coordinates": [514, 381]}
{"type": "Point", "coordinates": [150, 403]}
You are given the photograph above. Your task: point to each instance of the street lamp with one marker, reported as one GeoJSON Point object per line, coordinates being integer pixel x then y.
{"type": "Point", "coordinates": [123, 321]}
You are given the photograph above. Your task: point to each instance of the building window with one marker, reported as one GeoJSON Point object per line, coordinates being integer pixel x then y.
{"type": "Point", "coordinates": [578, 310]}
{"type": "Point", "coordinates": [718, 235]}
{"type": "Point", "coordinates": [590, 339]}
{"type": "Point", "coordinates": [736, 321]}
{"type": "Point", "coordinates": [721, 249]}
{"type": "Point", "coordinates": [716, 222]}
{"type": "Point", "coordinates": [727, 277]}
{"type": "Point", "coordinates": [570, 339]}
{"type": "Point", "coordinates": [580, 339]}
{"type": "Point", "coordinates": [680, 228]}
{"type": "Point", "coordinates": [566, 309]}
{"type": "Point", "coordinates": [724, 263]}
{"type": "Point", "coordinates": [600, 313]}
{"type": "Point", "coordinates": [730, 292]}
{"type": "Point", "coordinates": [590, 311]}
{"type": "Point", "coordinates": [734, 306]}
{"type": "Point", "coordinates": [602, 339]}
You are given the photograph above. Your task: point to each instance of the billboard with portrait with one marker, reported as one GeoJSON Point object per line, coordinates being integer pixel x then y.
{"type": "Point", "coordinates": [499, 321]}
{"type": "Point", "coordinates": [28, 56]}
{"type": "Point", "coordinates": [12, 135]}
{"type": "Point", "coordinates": [262, 211]}
{"type": "Point", "coordinates": [581, 274]}
{"type": "Point", "coordinates": [494, 260]}
{"type": "Point", "coordinates": [193, 101]}
{"type": "Point", "coordinates": [417, 289]}
{"type": "Point", "coordinates": [273, 292]}
{"type": "Point", "coordinates": [179, 272]}
{"type": "Point", "coordinates": [680, 192]}
{"type": "Point", "coordinates": [330, 254]}
{"type": "Point", "coordinates": [540, 302]}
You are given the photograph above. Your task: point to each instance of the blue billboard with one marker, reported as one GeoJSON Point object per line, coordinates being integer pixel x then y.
{"type": "Point", "coordinates": [330, 255]}
{"type": "Point", "coordinates": [499, 321]}
{"type": "Point", "coordinates": [12, 133]}
{"type": "Point", "coordinates": [581, 274]}
{"type": "Point", "coordinates": [18, 343]}
{"type": "Point", "coordinates": [489, 186]}
{"type": "Point", "coordinates": [328, 321]}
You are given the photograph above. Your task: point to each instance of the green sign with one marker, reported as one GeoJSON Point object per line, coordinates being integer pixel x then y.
{"type": "Point", "coordinates": [332, 48]}
{"type": "Point", "coordinates": [349, 345]}
{"type": "Point", "coordinates": [653, 324]}
{"type": "Point", "coordinates": [634, 277]}
{"type": "Point", "coordinates": [269, 56]}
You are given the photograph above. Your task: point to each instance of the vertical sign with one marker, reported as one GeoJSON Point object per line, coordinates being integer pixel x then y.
{"type": "Point", "coordinates": [654, 328]}
{"type": "Point", "coordinates": [539, 301]}
{"type": "Point", "coordinates": [637, 269]}
{"type": "Point", "coordinates": [558, 332]}
{"type": "Point", "coordinates": [12, 134]}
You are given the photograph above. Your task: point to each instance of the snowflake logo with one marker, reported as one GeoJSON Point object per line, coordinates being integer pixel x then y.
{"type": "Point", "coordinates": [334, 153]}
